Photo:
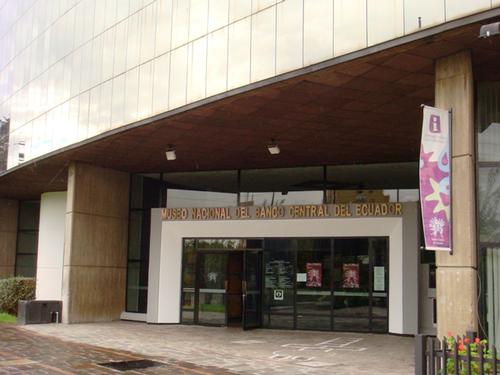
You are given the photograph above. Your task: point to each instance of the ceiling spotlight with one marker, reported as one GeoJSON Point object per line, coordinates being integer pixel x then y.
{"type": "Point", "coordinates": [170, 153]}
{"type": "Point", "coordinates": [273, 148]}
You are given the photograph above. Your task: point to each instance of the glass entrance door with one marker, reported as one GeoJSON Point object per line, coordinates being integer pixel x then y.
{"type": "Point", "coordinates": [252, 289]}
{"type": "Point", "coordinates": [212, 272]}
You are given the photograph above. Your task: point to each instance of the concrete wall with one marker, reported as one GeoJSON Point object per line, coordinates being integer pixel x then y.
{"type": "Point", "coordinates": [50, 257]}
{"type": "Point", "coordinates": [166, 255]}
{"type": "Point", "coordinates": [8, 236]}
{"type": "Point", "coordinates": [95, 253]}
{"type": "Point", "coordinates": [457, 273]}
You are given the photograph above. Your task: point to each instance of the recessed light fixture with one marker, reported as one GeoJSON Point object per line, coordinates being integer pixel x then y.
{"type": "Point", "coordinates": [273, 147]}
{"type": "Point", "coordinates": [170, 153]}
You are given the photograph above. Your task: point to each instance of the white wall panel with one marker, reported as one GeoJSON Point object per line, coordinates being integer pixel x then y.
{"type": "Point", "coordinates": [385, 20]}
{"type": "Point", "coordinates": [349, 26]}
{"type": "Point", "coordinates": [461, 8]}
{"type": "Point", "coordinates": [197, 70]}
{"type": "Point", "coordinates": [289, 35]}
{"type": "Point", "coordinates": [238, 68]}
{"type": "Point", "coordinates": [217, 62]}
{"type": "Point", "coordinates": [263, 59]}
{"type": "Point", "coordinates": [318, 31]}
{"type": "Point", "coordinates": [178, 77]}
{"type": "Point", "coordinates": [431, 12]}
{"type": "Point", "coordinates": [51, 246]}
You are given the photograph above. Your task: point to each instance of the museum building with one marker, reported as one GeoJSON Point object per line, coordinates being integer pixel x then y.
{"type": "Point", "coordinates": [250, 163]}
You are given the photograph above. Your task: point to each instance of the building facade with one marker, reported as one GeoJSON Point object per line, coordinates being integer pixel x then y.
{"type": "Point", "coordinates": [249, 162]}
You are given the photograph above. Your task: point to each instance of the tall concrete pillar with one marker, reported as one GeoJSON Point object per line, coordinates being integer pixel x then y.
{"type": "Point", "coordinates": [8, 236]}
{"type": "Point", "coordinates": [95, 249]}
{"type": "Point", "coordinates": [457, 273]}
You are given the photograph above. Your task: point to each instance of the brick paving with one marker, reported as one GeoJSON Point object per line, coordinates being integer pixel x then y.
{"type": "Point", "coordinates": [214, 350]}
{"type": "Point", "coordinates": [26, 352]}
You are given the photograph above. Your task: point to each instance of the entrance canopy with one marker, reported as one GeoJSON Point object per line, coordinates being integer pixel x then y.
{"type": "Point", "coordinates": [362, 108]}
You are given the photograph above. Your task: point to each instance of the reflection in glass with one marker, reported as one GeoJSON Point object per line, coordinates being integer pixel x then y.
{"type": "Point", "coordinates": [491, 301]}
{"type": "Point", "coordinates": [488, 121]}
{"type": "Point", "coordinates": [489, 204]}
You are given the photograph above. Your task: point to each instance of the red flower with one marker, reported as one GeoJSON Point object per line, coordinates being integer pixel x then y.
{"type": "Point", "coordinates": [477, 340]}
{"type": "Point", "coordinates": [467, 340]}
{"type": "Point", "coordinates": [461, 347]}
{"type": "Point", "coordinates": [450, 334]}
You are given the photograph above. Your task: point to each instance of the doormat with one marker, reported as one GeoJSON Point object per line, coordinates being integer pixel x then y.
{"type": "Point", "coordinates": [131, 365]}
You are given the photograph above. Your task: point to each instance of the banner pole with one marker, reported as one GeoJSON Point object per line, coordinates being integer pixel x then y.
{"type": "Point", "coordinates": [450, 122]}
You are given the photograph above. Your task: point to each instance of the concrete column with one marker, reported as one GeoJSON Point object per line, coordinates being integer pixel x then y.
{"type": "Point", "coordinates": [8, 236]}
{"type": "Point", "coordinates": [457, 273]}
{"type": "Point", "coordinates": [95, 251]}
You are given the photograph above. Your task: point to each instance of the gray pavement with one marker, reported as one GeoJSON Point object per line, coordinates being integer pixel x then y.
{"type": "Point", "coordinates": [231, 350]}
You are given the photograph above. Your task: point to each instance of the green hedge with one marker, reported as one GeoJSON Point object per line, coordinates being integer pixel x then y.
{"type": "Point", "coordinates": [14, 289]}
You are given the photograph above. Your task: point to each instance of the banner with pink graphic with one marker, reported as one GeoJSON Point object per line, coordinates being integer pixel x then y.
{"type": "Point", "coordinates": [435, 179]}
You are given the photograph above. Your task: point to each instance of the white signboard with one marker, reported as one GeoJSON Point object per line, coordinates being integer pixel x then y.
{"type": "Point", "coordinates": [301, 277]}
{"type": "Point", "coordinates": [278, 294]}
{"type": "Point", "coordinates": [378, 279]}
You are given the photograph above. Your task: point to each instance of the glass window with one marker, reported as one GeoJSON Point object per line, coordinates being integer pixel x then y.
{"type": "Point", "coordinates": [188, 281]}
{"type": "Point", "coordinates": [488, 121]}
{"type": "Point", "coordinates": [489, 204]}
{"type": "Point", "coordinates": [491, 297]}
{"type": "Point", "coordinates": [27, 238]}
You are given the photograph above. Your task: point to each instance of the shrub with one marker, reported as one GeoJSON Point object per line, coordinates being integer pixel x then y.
{"type": "Point", "coordinates": [13, 290]}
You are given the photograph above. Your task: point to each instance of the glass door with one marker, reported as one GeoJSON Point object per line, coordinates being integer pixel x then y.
{"type": "Point", "coordinates": [252, 289]}
{"type": "Point", "coordinates": [212, 271]}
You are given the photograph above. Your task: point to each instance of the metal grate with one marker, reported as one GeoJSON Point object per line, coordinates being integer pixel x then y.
{"type": "Point", "coordinates": [131, 365]}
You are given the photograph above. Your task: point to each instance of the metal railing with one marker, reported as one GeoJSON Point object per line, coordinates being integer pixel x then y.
{"type": "Point", "coordinates": [455, 356]}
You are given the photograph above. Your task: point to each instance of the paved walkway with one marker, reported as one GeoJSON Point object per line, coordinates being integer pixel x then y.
{"type": "Point", "coordinates": [209, 350]}
{"type": "Point", "coordinates": [26, 352]}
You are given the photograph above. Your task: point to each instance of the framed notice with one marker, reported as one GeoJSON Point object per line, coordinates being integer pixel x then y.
{"type": "Point", "coordinates": [378, 279]}
{"type": "Point", "coordinates": [351, 275]}
{"type": "Point", "coordinates": [314, 275]}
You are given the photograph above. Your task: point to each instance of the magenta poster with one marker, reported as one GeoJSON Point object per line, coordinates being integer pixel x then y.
{"type": "Point", "coordinates": [435, 179]}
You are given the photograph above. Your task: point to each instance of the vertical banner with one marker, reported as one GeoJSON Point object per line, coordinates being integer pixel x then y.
{"type": "Point", "coordinates": [435, 179]}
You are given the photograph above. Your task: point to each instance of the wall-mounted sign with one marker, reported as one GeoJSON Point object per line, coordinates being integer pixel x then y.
{"type": "Point", "coordinates": [278, 294]}
{"type": "Point", "coordinates": [435, 179]}
{"type": "Point", "coordinates": [314, 274]}
{"type": "Point", "coordinates": [351, 275]}
{"type": "Point", "coordinates": [301, 277]}
{"type": "Point", "coordinates": [305, 211]}
{"type": "Point", "coordinates": [378, 279]}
